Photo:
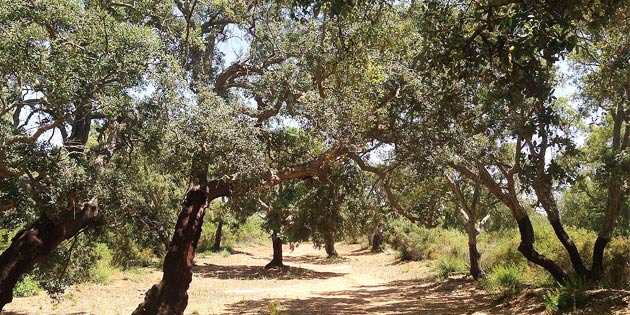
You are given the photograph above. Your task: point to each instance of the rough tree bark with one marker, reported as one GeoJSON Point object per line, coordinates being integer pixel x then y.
{"type": "Point", "coordinates": [469, 211]}
{"type": "Point", "coordinates": [544, 194]}
{"type": "Point", "coordinates": [276, 241]}
{"type": "Point", "coordinates": [620, 142]}
{"type": "Point", "coordinates": [475, 256]}
{"type": "Point", "coordinates": [170, 295]}
{"type": "Point", "coordinates": [329, 246]}
{"type": "Point", "coordinates": [510, 199]}
{"type": "Point", "coordinates": [35, 243]}
{"type": "Point", "coordinates": [218, 235]}
{"type": "Point", "coordinates": [377, 237]}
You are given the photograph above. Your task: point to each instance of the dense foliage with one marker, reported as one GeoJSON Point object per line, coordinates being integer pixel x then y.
{"type": "Point", "coordinates": [436, 122]}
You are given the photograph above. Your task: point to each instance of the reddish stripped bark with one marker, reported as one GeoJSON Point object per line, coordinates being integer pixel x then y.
{"type": "Point", "coordinates": [35, 243]}
{"type": "Point", "coordinates": [170, 295]}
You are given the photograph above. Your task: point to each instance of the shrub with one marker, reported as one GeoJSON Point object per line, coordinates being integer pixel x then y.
{"type": "Point", "coordinates": [127, 253]}
{"type": "Point", "coordinates": [28, 286]}
{"type": "Point", "coordinates": [500, 248]}
{"type": "Point", "coordinates": [570, 296]}
{"type": "Point", "coordinates": [251, 232]}
{"type": "Point", "coordinates": [414, 242]}
{"type": "Point", "coordinates": [449, 266]}
{"type": "Point", "coordinates": [103, 269]}
{"type": "Point", "coordinates": [505, 278]}
{"type": "Point", "coordinates": [617, 264]}
{"type": "Point", "coordinates": [275, 308]}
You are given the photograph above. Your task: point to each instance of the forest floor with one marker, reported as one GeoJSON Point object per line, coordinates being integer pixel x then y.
{"type": "Point", "coordinates": [360, 282]}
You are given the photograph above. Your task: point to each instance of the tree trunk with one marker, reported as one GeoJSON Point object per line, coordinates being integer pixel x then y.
{"type": "Point", "coordinates": [571, 248]}
{"type": "Point", "coordinates": [544, 193]}
{"type": "Point", "coordinates": [613, 208]}
{"type": "Point", "coordinates": [377, 238]}
{"type": "Point", "coordinates": [218, 235]}
{"type": "Point", "coordinates": [525, 228]}
{"type": "Point", "coordinates": [329, 246]}
{"type": "Point", "coordinates": [170, 297]}
{"type": "Point", "coordinates": [475, 256]}
{"type": "Point", "coordinates": [277, 251]}
{"type": "Point", "coordinates": [526, 248]}
{"type": "Point", "coordinates": [35, 243]}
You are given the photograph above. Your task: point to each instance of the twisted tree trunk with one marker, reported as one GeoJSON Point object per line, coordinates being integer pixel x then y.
{"type": "Point", "coordinates": [169, 296]}
{"type": "Point", "coordinates": [35, 243]}
{"type": "Point", "coordinates": [613, 209]}
{"type": "Point", "coordinates": [525, 228]}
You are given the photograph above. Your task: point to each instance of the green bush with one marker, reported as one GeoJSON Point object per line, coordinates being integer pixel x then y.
{"type": "Point", "coordinates": [5, 239]}
{"type": "Point", "coordinates": [500, 248]}
{"type": "Point", "coordinates": [28, 286]}
{"type": "Point", "coordinates": [617, 264]}
{"type": "Point", "coordinates": [504, 278]}
{"type": "Point", "coordinates": [103, 270]}
{"type": "Point", "coordinates": [449, 266]}
{"type": "Point", "coordinates": [570, 296]}
{"type": "Point", "coordinates": [127, 253]}
{"type": "Point", "coordinates": [251, 232]}
{"type": "Point", "coordinates": [418, 243]}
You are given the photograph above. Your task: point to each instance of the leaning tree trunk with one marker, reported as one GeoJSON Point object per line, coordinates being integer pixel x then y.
{"type": "Point", "coordinates": [329, 246]}
{"type": "Point", "coordinates": [277, 251]}
{"type": "Point", "coordinates": [525, 228]}
{"type": "Point", "coordinates": [218, 235]}
{"type": "Point", "coordinates": [169, 296]}
{"type": "Point", "coordinates": [526, 247]}
{"type": "Point", "coordinates": [544, 193]}
{"type": "Point", "coordinates": [36, 242]}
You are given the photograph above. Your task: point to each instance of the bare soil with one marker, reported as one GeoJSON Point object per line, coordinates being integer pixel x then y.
{"type": "Point", "coordinates": [360, 282]}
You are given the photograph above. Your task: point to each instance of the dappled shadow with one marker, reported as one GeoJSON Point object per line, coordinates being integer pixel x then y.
{"type": "Point", "coordinates": [244, 272]}
{"type": "Point", "coordinates": [397, 297]}
{"type": "Point", "coordinates": [315, 260]}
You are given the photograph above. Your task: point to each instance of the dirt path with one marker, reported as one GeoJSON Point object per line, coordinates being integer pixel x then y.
{"type": "Point", "coordinates": [358, 283]}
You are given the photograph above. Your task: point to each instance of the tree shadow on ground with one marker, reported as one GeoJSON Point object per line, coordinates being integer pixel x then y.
{"type": "Point", "coordinates": [315, 260]}
{"type": "Point", "coordinates": [244, 272]}
{"type": "Point", "coordinates": [363, 252]}
{"type": "Point", "coordinates": [406, 297]}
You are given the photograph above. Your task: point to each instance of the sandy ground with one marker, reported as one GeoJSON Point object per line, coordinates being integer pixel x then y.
{"type": "Point", "coordinates": [358, 283]}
